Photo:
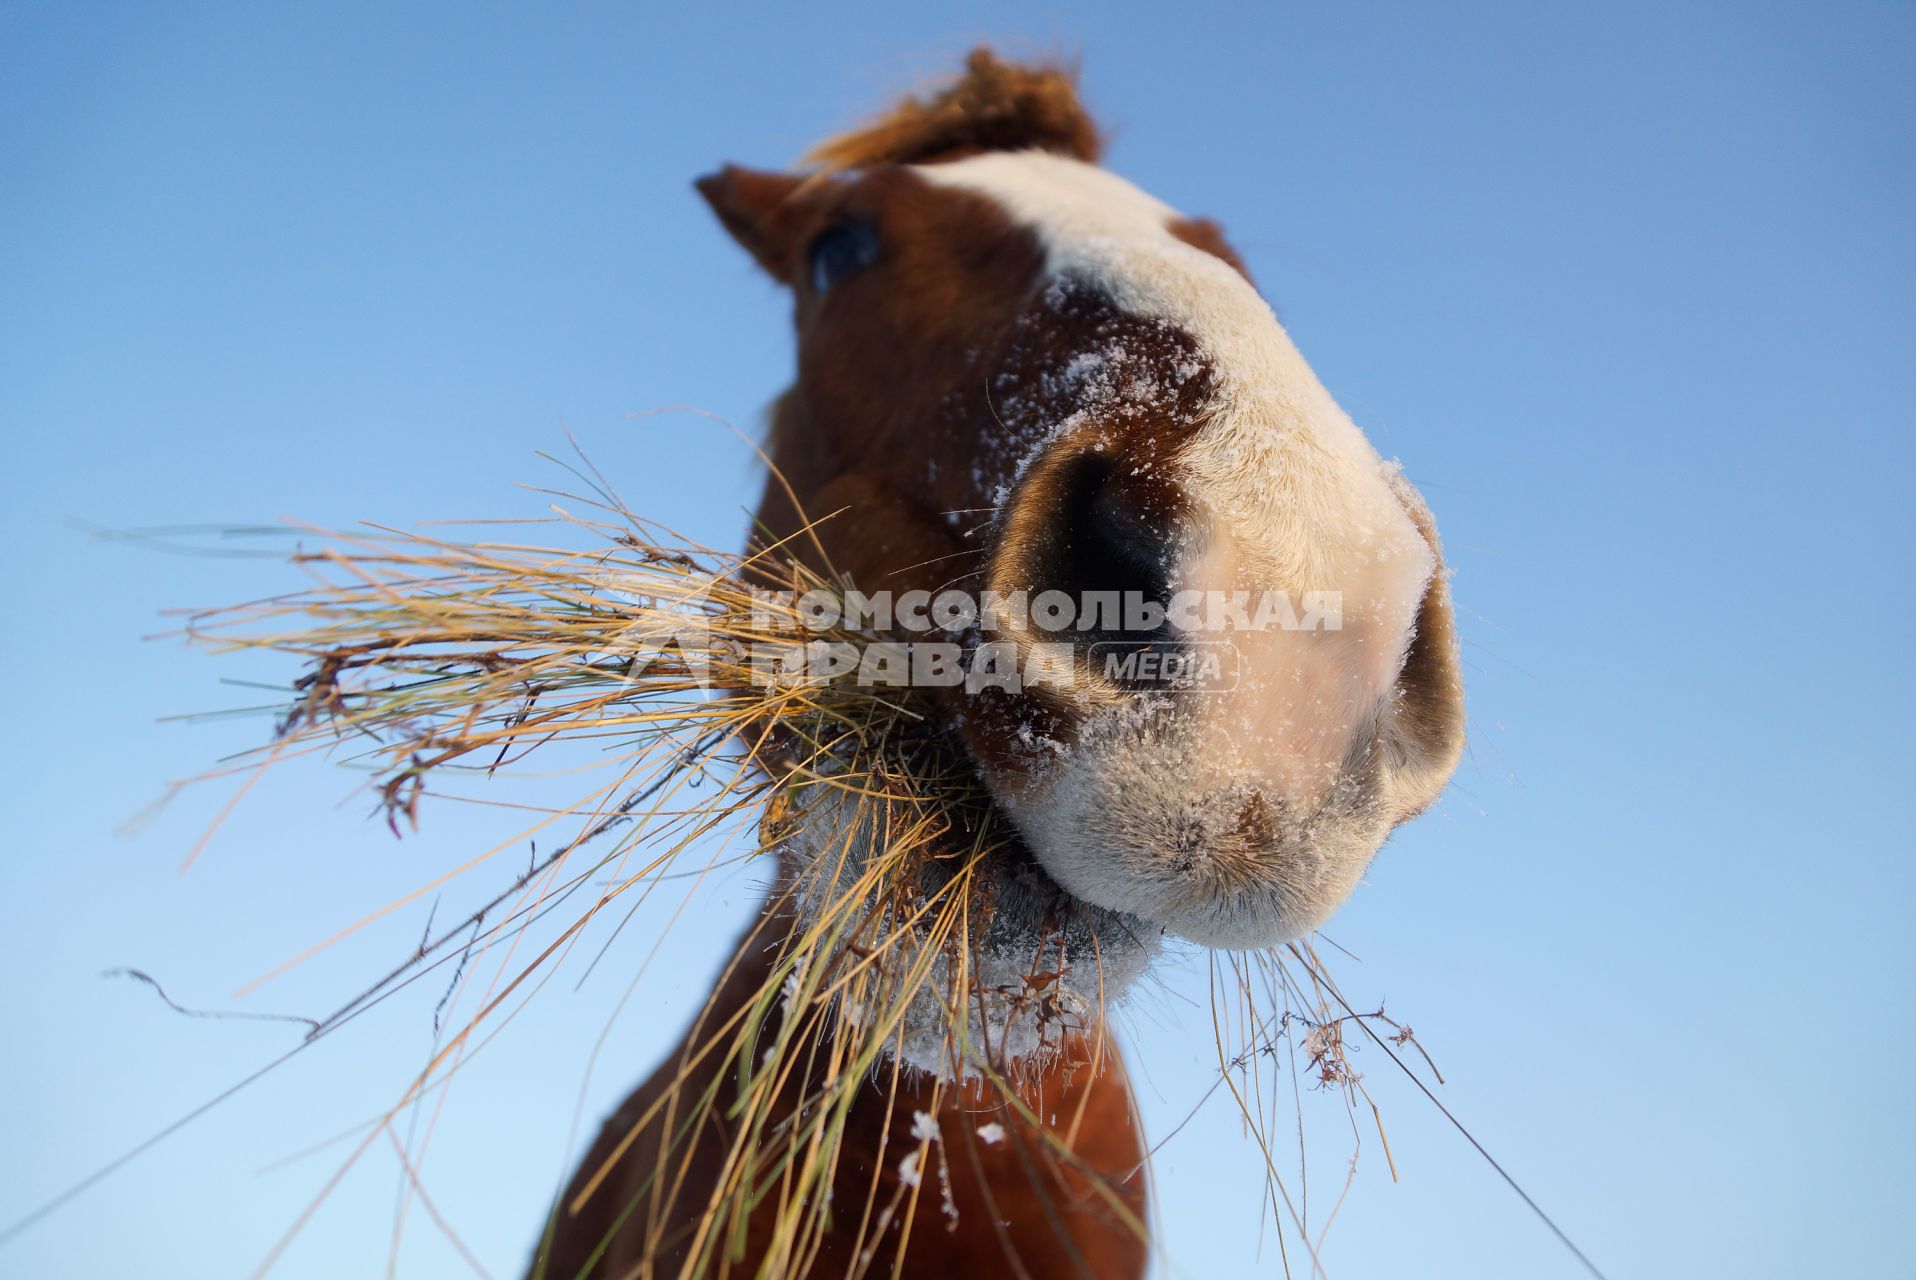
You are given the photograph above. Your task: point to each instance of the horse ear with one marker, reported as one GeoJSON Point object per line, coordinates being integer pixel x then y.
{"type": "Point", "coordinates": [756, 207]}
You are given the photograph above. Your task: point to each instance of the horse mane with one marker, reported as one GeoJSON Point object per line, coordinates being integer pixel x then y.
{"type": "Point", "coordinates": [994, 106]}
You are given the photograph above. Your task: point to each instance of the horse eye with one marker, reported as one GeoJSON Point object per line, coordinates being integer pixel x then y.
{"type": "Point", "coordinates": [841, 250]}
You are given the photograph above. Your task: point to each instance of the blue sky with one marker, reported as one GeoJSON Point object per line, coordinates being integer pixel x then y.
{"type": "Point", "coordinates": [1628, 288]}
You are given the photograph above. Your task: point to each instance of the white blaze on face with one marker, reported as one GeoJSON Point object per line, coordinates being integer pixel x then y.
{"type": "Point", "coordinates": [1294, 498]}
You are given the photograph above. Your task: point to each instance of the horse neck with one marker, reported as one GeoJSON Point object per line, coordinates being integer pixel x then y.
{"type": "Point", "coordinates": [1048, 1182]}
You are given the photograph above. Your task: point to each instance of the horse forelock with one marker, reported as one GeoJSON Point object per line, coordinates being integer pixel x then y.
{"type": "Point", "coordinates": [994, 106]}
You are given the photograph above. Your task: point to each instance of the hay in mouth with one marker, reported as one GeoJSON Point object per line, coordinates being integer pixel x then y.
{"type": "Point", "coordinates": [918, 934]}
{"type": "Point", "coordinates": [910, 930]}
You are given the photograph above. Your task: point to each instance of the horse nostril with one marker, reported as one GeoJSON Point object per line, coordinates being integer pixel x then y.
{"type": "Point", "coordinates": [1112, 542]}
{"type": "Point", "coordinates": [1120, 542]}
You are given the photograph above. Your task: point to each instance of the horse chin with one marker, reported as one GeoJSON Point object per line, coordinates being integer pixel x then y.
{"type": "Point", "coordinates": [1201, 894]}
{"type": "Point", "coordinates": [1049, 962]}
{"type": "Point", "coordinates": [1041, 968]}
{"type": "Point", "coordinates": [1150, 819]}
{"type": "Point", "coordinates": [1165, 864]}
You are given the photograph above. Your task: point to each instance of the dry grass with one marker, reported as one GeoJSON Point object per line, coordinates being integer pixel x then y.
{"type": "Point", "coordinates": [430, 661]}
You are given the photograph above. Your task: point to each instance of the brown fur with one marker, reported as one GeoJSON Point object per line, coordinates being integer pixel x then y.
{"type": "Point", "coordinates": [1202, 233]}
{"type": "Point", "coordinates": [1017, 1212]}
{"type": "Point", "coordinates": [995, 106]}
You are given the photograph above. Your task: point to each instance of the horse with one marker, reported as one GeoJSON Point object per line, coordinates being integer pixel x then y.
{"type": "Point", "coordinates": [1017, 373]}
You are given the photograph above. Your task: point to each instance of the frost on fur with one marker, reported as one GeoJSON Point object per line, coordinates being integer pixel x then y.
{"type": "Point", "coordinates": [1028, 969]}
